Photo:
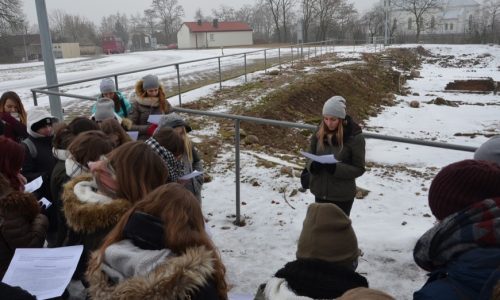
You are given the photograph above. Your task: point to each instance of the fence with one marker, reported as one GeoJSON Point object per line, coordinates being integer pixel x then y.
{"type": "Point", "coordinates": [321, 48]}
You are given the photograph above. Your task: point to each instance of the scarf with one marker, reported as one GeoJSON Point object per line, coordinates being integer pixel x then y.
{"type": "Point", "coordinates": [473, 227]}
{"type": "Point", "coordinates": [174, 166]}
{"type": "Point", "coordinates": [73, 168]}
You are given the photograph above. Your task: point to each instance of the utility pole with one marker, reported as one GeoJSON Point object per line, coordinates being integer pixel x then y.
{"type": "Point", "coordinates": [387, 7]}
{"type": "Point", "coordinates": [48, 58]}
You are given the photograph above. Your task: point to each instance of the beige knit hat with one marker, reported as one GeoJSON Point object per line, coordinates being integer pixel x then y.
{"type": "Point", "coordinates": [327, 234]}
{"type": "Point", "coordinates": [363, 293]}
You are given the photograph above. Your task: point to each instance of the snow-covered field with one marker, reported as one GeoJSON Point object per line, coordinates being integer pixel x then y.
{"type": "Point", "coordinates": [387, 222]}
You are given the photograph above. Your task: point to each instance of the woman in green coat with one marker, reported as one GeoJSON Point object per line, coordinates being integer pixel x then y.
{"type": "Point", "coordinates": [339, 135]}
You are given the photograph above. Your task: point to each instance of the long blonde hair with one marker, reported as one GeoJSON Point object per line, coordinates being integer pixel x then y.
{"type": "Point", "coordinates": [184, 227]}
{"type": "Point", "coordinates": [333, 137]}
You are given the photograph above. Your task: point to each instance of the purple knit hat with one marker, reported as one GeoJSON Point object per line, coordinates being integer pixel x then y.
{"type": "Point", "coordinates": [461, 184]}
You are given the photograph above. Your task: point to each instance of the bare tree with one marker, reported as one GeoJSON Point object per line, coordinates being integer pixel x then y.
{"type": "Point", "coordinates": [150, 17]}
{"type": "Point", "coordinates": [198, 15]}
{"type": "Point", "coordinates": [224, 13]}
{"type": "Point", "coordinates": [262, 21]}
{"type": "Point", "coordinates": [374, 20]}
{"type": "Point", "coordinates": [169, 12]}
{"type": "Point", "coordinates": [492, 10]}
{"type": "Point", "coordinates": [326, 10]}
{"type": "Point", "coordinates": [286, 10]}
{"type": "Point", "coordinates": [244, 14]}
{"type": "Point", "coordinates": [11, 16]}
{"type": "Point", "coordinates": [274, 6]}
{"type": "Point", "coordinates": [418, 9]}
{"type": "Point", "coordinates": [309, 13]}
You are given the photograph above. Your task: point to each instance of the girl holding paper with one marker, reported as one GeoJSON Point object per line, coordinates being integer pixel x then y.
{"type": "Point", "coordinates": [149, 99]}
{"type": "Point", "coordinates": [339, 135]}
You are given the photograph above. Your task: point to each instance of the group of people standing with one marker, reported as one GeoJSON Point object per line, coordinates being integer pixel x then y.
{"type": "Point", "coordinates": [142, 226]}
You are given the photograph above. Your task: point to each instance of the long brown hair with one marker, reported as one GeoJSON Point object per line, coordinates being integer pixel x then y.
{"type": "Point", "coordinates": [89, 146]}
{"type": "Point", "coordinates": [333, 137]}
{"type": "Point", "coordinates": [163, 103]}
{"type": "Point", "coordinates": [170, 140]}
{"type": "Point", "coordinates": [112, 127]}
{"type": "Point", "coordinates": [139, 170]}
{"type": "Point", "coordinates": [14, 97]}
{"type": "Point", "coordinates": [184, 226]}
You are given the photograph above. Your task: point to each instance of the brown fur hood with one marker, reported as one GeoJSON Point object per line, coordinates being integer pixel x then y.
{"type": "Point", "coordinates": [90, 216]}
{"type": "Point", "coordinates": [20, 204]}
{"type": "Point", "coordinates": [175, 278]}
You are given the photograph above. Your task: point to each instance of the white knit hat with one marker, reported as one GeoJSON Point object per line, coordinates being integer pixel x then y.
{"type": "Point", "coordinates": [105, 109]}
{"type": "Point", "coordinates": [335, 107]}
{"type": "Point", "coordinates": [489, 150]}
{"type": "Point", "coordinates": [107, 86]}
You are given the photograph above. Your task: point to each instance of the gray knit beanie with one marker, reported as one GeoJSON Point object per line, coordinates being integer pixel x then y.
{"type": "Point", "coordinates": [172, 120]}
{"type": "Point", "coordinates": [335, 107]}
{"type": "Point", "coordinates": [489, 150]}
{"type": "Point", "coordinates": [105, 109]}
{"type": "Point", "coordinates": [150, 82]}
{"type": "Point", "coordinates": [107, 86]}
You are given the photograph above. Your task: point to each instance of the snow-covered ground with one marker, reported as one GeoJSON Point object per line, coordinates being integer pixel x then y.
{"type": "Point", "coordinates": [387, 222]}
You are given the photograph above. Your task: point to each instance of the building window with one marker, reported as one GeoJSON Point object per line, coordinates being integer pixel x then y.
{"type": "Point", "coordinates": [409, 23]}
{"type": "Point", "coordinates": [470, 22]}
{"type": "Point", "coordinates": [212, 37]}
{"type": "Point", "coordinates": [445, 26]}
{"type": "Point", "coordinates": [451, 26]}
{"type": "Point", "coordinates": [433, 22]}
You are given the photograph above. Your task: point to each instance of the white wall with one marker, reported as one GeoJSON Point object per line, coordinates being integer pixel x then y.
{"type": "Point", "coordinates": [186, 40]}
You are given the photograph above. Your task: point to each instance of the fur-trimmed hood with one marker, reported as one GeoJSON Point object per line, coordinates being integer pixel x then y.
{"type": "Point", "coordinates": [20, 204]}
{"type": "Point", "coordinates": [176, 277]}
{"type": "Point", "coordinates": [87, 211]}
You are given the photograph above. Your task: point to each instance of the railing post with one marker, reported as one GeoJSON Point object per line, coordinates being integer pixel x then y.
{"type": "Point", "coordinates": [220, 75]}
{"type": "Point", "coordinates": [35, 100]}
{"type": "Point", "coordinates": [116, 82]}
{"type": "Point", "coordinates": [291, 48]}
{"type": "Point", "coordinates": [265, 62]}
{"type": "Point", "coordinates": [245, 58]}
{"type": "Point", "coordinates": [178, 83]}
{"type": "Point", "coordinates": [279, 57]}
{"type": "Point", "coordinates": [237, 163]}
{"type": "Point", "coordinates": [315, 50]}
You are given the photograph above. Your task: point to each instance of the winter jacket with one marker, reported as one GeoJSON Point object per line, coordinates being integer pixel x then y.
{"type": "Point", "coordinates": [129, 272]}
{"type": "Point", "coordinates": [310, 279]}
{"type": "Point", "coordinates": [125, 106]}
{"type": "Point", "coordinates": [57, 180]}
{"type": "Point", "coordinates": [462, 253]}
{"type": "Point", "coordinates": [90, 216]}
{"type": "Point", "coordinates": [21, 226]}
{"type": "Point", "coordinates": [142, 108]}
{"type": "Point", "coordinates": [341, 185]}
{"type": "Point", "coordinates": [194, 184]}
{"type": "Point", "coordinates": [13, 129]}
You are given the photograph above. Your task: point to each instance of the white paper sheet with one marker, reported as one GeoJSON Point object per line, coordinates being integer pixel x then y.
{"type": "Point", "coordinates": [133, 135]}
{"type": "Point", "coordinates": [154, 119]}
{"type": "Point", "coordinates": [191, 175]}
{"type": "Point", "coordinates": [45, 202]}
{"type": "Point", "coordinates": [241, 297]}
{"type": "Point", "coordinates": [44, 272]}
{"type": "Point", "coordinates": [33, 185]}
{"type": "Point", "coordinates": [324, 159]}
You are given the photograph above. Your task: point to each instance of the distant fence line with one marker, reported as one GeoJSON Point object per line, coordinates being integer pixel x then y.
{"type": "Point", "coordinates": [321, 48]}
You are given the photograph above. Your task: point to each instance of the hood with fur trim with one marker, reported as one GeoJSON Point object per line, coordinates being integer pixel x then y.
{"type": "Point", "coordinates": [174, 278]}
{"type": "Point", "coordinates": [139, 90]}
{"type": "Point", "coordinates": [87, 211]}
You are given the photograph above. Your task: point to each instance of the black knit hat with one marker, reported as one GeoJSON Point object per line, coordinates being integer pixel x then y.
{"type": "Point", "coordinates": [461, 184]}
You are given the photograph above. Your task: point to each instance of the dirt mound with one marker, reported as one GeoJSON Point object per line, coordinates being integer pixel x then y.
{"type": "Point", "coordinates": [481, 85]}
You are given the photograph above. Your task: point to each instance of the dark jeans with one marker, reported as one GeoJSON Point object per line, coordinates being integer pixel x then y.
{"type": "Point", "coordinates": [343, 205]}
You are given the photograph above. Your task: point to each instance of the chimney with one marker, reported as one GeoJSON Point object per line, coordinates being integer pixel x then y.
{"type": "Point", "coordinates": [216, 23]}
{"type": "Point", "coordinates": [199, 22]}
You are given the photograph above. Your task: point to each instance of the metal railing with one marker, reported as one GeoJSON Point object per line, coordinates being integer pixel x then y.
{"type": "Point", "coordinates": [289, 54]}
{"type": "Point", "coordinates": [238, 119]}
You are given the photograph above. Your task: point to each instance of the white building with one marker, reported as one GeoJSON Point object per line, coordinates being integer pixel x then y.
{"type": "Point", "coordinates": [451, 17]}
{"type": "Point", "coordinates": [213, 34]}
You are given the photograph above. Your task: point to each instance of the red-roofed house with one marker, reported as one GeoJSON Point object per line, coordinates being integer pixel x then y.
{"type": "Point", "coordinates": [213, 34]}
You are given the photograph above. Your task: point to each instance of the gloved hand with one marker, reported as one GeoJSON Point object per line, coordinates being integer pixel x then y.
{"type": "Point", "coordinates": [126, 124]}
{"type": "Point", "coordinates": [151, 129]}
{"type": "Point", "coordinates": [330, 168]}
{"type": "Point", "coordinates": [315, 167]}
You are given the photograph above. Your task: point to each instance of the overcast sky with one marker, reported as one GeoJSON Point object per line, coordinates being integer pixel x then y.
{"type": "Point", "coordinates": [94, 10]}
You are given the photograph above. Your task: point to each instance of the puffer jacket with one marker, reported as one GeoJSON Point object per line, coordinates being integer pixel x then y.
{"type": "Point", "coordinates": [341, 185]}
{"type": "Point", "coordinates": [90, 216]}
{"type": "Point", "coordinates": [21, 226]}
{"type": "Point", "coordinates": [143, 107]}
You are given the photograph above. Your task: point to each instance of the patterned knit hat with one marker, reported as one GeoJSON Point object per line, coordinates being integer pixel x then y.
{"type": "Point", "coordinates": [461, 184]}
{"type": "Point", "coordinates": [327, 234]}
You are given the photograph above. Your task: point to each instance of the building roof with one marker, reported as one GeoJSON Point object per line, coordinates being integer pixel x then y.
{"type": "Point", "coordinates": [222, 26]}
